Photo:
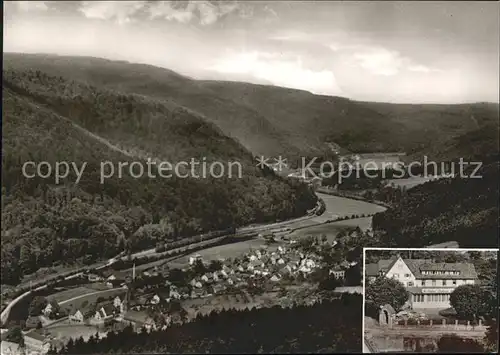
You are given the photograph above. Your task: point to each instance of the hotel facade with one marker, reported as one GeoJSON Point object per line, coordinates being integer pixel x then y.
{"type": "Point", "coordinates": [429, 283]}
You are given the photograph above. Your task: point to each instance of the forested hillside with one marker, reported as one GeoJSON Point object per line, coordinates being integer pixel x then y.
{"type": "Point", "coordinates": [276, 121]}
{"type": "Point", "coordinates": [460, 209]}
{"type": "Point", "coordinates": [84, 109]}
{"type": "Point", "coordinates": [479, 144]}
{"type": "Point", "coordinates": [328, 327]}
{"type": "Point", "coordinates": [51, 118]}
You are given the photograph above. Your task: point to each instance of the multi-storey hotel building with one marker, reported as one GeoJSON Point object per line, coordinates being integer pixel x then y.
{"type": "Point", "coordinates": [429, 283]}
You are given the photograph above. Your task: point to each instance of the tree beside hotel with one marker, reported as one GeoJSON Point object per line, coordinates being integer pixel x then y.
{"type": "Point", "coordinates": [387, 291]}
{"type": "Point", "coordinates": [471, 302]}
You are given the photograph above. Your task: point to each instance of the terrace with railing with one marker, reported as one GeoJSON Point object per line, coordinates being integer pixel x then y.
{"type": "Point", "coordinates": [463, 325]}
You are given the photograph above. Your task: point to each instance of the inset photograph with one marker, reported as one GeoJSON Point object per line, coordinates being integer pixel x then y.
{"type": "Point", "coordinates": [430, 300]}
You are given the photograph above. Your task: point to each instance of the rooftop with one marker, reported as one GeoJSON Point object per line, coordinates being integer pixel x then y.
{"type": "Point", "coordinates": [35, 335]}
{"type": "Point", "coordinates": [418, 266]}
{"type": "Point", "coordinates": [137, 317]}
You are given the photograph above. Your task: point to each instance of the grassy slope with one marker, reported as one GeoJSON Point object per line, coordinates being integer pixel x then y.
{"type": "Point", "coordinates": [460, 209]}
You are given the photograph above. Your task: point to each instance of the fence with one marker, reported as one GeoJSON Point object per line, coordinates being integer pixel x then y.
{"type": "Point", "coordinates": [443, 324]}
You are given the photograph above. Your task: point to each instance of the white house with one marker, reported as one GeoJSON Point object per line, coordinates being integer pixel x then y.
{"type": "Point", "coordinates": [155, 299]}
{"type": "Point", "coordinates": [119, 304]}
{"type": "Point", "coordinates": [400, 271]}
{"type": "Point", "coordinates": [10, 348]}
{"type": "Point", "coordinates": [76, 317]}
{"type": "Point", "coordinates": [36, 343]}
{"type": "Point", "coordinates": [175, 295]}
{"type": "Point", "coordinates": [106, 312]}
{"type": "Point", "coordinates": [193, 259]}
{"type": "Point", "coordinates": [275, 278]}
{"type": "Point", "coordinates": [94, 278]}
{"type": "Point", "coordinates": [47, 310]}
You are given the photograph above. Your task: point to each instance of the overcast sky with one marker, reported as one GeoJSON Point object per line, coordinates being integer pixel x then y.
{"type": "Point", "coordinates": [380, 51]}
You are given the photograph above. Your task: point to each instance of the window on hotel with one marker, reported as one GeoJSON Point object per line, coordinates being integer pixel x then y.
{"type": "Point", "coordinates": [407, 275]}
{"type": "Point", "coordinates": [444, 282]}
{"type": "Point", "coordinates": [410, 284]}
{"type": "Point", "coordinates": [423, 282]}
{"type": "Point", "coordinates": [433, 282]}
{"type": "Point", "coordinates": [454, 282]}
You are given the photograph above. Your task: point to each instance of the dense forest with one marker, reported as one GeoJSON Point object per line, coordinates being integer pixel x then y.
{"type": "Point", "coordinates": [48, 118]}
{"type": "Point", "coordinates": [327, 327]}
{"type": "Point", "coordinates": [460, 209]}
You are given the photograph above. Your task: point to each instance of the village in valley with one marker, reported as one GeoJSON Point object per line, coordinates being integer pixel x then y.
{"type": "Point", "coordinates": [285, 273]}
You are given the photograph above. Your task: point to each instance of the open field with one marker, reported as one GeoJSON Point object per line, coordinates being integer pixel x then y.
{"type": "Point", "coordinates": [66, 331]}
{"type": "Point", "coordinates": [68, 294]}
{"type": "Point", "coordinates": [411, 181]}
{"type": "Point", "coordinates": [243, 300]}
{"type": "Point", "coordinates": [223, 251]}
{"type": "Point", "coordinates": [331, 229]}
{"type": "Point", "coordinates": [337, 206]}
{"type": "Point", "coordinates": [236, 301]}
{"type": "Point", "coordinates": [84, 302]}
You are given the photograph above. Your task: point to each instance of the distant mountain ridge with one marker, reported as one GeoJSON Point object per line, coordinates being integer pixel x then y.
{"type": "Point", "coordinates": [274, 121]}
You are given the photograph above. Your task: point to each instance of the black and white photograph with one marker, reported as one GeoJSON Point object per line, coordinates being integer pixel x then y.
{"type": "Point", "coordinates": [206, 176]}
{"type": "Point", "coordinates": [430, 300]}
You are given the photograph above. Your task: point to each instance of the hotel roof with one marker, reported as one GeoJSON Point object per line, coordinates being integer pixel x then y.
{"type": "Point", "coordinates": [417, 266]}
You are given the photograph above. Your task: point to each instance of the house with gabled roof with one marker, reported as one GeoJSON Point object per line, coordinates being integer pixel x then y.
{"type": "Point", "coordinates": [106, 312]}
{"type": "Point", "coordinates": [10, 348]}
{"type": "Point", "coordinates": [139, 320]}
{"type": "Point", "coordinates": [119, 304]}
{"type": "Point", "coordinates": [36, 343]}
{"type": "Point", "coordinates": [76, 316]}
{"type": "Point", "coordinates": [48, 309]}
{"type": "Point", "coordinates": [429, 283]}
{"type": "Point", "coordinates": [155, 299]}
